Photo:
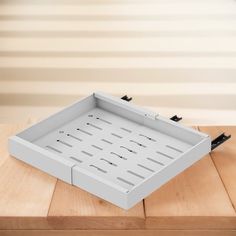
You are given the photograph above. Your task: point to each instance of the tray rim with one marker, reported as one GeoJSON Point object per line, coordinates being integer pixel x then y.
{"type": "Point", "coordinates": [125, 199]}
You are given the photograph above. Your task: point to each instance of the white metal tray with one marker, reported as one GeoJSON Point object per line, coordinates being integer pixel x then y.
{"type": "Point", "coordinates": [111, 148]}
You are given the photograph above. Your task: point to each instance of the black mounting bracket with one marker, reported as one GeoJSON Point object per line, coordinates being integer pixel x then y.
{"type": "Point", "coordinates": [126, 98]}
{"type": "Point", "coordinates": [219, 140]}
{"type": "Point", "coordinates": [176, 118]}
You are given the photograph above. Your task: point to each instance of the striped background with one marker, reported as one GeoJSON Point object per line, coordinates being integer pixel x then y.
{"type": "Point", "coordinates": [173, 56]}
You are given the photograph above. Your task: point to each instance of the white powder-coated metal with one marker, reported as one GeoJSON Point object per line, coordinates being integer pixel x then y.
{"type": "Point", "coordinates": [111, 148]}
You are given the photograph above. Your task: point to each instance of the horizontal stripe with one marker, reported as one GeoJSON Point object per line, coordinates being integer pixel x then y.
{"type": "Point", "coordinates": [116, 54]}
{"type": "Point", "coordinates": [117, 34]}
{"type": "Point", "coordinates": [172, 17]}
{"type": "Point", "coordinates": [163, 44]}
{"type": "Point", "coordinates": [86, 2]}
{"type": "Point", "coordinates": [140, 89]}
{"type": "Point", "coordinates": [135, 75]}
{"type": "Point", "coordinates": [119, 9]}
{"type": "Point", "coordinates": [110, 62]}
{"type": "Point", "coordinates": [121, 26]}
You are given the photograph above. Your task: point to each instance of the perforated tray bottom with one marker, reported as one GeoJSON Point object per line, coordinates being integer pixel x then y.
{"type": "Point", "coordinates": [114, 148]}
{"type": "Point", "coordinates": [110, 148]}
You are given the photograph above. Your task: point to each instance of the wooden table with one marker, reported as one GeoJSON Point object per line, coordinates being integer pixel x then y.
{"type": "Point", "coordinates": [201, 200]}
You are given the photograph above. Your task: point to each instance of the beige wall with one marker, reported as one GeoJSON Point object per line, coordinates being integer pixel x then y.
{"type": "Point", "coordinates": [174, 56]}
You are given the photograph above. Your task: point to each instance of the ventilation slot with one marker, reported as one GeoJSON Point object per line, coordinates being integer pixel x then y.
{"type": "Point", "coordinates": [175, 149]}
{"type": "Point", "coordinates": [116, 135]}
{"type": "Point", "coordinates": [98, 168]}
{"type": "Point", "coordinates": [135, 174]}
{"type": "Point", "coordinates": [139, 144]}
{"type": "Point", "coordinates": [146, 168]}
{"type": "Point", "coordinates": [125, 181]}
{"type": "Point", "coordinates": [75, 159]}
{"type": "Point", "coordinates": [105, 121]}
{"type": "Point", "coordinates": [64, 143]}
{"type": "Point", "coordinates": [165, 155]}
{"type": "Point", "coordinates": [99, 148]}
{"type": "Point", "coordinates": [127, 130]}
{"type": "Point", "coordinates": [53, 149]}
{"type": "Point", "coordinates": [157, 162]}
{"type": "Point", "coordinates": [129, 150]}
{"type": "Point", "coordinates": [106, 141]}
{"type": "Point", "coordinates": [110, 163]}
{"type": "Point", "coordinates": [147, 137]}
{"type": "Point", "coordinates": [121, 157]}
{"type": "Point", "coordinates": [87, 153]}
{"type": "Point", "coordinates": [74, 137]}
{"type": "Point", "coordinates": [85, 132]}
{"type": "Point", "coordinates": [94, 126]}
